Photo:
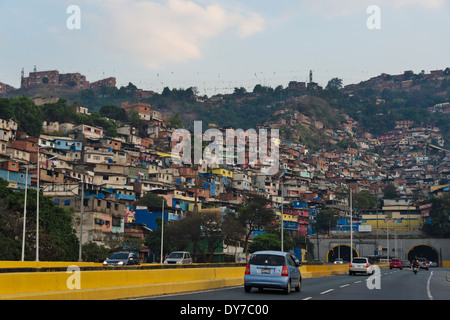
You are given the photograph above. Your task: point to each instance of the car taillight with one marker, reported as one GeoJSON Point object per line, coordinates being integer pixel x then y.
{"type": "Point", "coordinates": [285, 272]}
{"type": "Point", "coordinates": [367, 265]}
{"type": "Point", "coordinates": [350, 265]}
{"type": "Point", "coordinates": [247, 269]}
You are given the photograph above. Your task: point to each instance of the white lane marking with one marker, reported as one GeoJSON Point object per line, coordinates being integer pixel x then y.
{"type": "Point", "coordinates": [345, 285]}
{"type": "Point", "coordinates": [327, 291]}
{"type": "Point", "coordinates": [307, 298]}
{"type": "Point", "coordinates": [357, 282]}
{"type": "Point", "coordinates": [428, 287]}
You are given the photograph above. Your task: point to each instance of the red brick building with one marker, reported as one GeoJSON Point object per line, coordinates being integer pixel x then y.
{"type": "Point", "coordinates": [108, 82]}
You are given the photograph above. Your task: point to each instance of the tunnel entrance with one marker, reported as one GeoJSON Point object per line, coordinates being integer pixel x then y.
{"type": "Point", "coordinates": [340, 251]}
{"type": "Point", "coordinates": [423, 251]}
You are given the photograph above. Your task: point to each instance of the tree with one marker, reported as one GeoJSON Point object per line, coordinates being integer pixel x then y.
{"type": "Point", "coordinates": [439, 225]}
{"type": "Point", "coordinates": [27, 115]}
{"type": "Point", "coordinates": [390, 192]}
{"type": "Point", "coordinates": [57, 238]}
{"type": "Point", "coordinates": [239, 91]}
{"type": "Point", "coordinates": [334, 84]}
{"type": "Point", "coordinates": [255, 213]}
{"type": "Point", "coordinates": [171, 243]}
{"type": "Point", "coordinates": [175, 122]}
{"type": "Point", "coordinates": [271, 241]}
{"type": "Point", "coordinates": [93, 252]}
{"type": "Point", "coordinates": [113, 112]}
{"type": "Point", "coordinates": [152, 200]}
{"type": "Point", "coordinates": [134, 119]}
{"type": "Point", "coordinates": [326, 219]}
{"type": "Point", "coordinates": [364, 200]}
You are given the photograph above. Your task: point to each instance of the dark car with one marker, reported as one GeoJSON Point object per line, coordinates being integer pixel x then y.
{"type": "Point", "coordinates": [123, 258]}
{"type": "Point", "coordinates": [423, 263]}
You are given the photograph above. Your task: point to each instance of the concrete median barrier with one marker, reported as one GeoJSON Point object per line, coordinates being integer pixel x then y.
{"type": "Point", "coordinates": [102, 284]}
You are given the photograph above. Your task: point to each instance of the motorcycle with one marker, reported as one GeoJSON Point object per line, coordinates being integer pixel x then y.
{"type": "Point", "coordinates": [415, 270]}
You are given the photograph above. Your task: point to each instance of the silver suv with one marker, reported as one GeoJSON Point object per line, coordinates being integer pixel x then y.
{"type": "Point", "coordinates": [179, 257]}
{"type": "Point", "coordinates": [360, 265]}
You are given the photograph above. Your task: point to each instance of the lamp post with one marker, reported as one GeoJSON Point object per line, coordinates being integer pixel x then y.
{"type": "Point", "coordinates": [81, 222]}
{"type": "Point", "coordinates": [351, 226]}
{"type": "Point", "coordinates": [282, 218]}
{"type": "Point", "coordinates": [24, 215]}
{"type": "Point", "coordinates": [37, 198]}
{"type": "Point", "coordinates": [162, 231]}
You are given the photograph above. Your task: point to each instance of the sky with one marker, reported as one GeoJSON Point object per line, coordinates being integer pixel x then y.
{"type": "Point", "coordinates": [218, 45]}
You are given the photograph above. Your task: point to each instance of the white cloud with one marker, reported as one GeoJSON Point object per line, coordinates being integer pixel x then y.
{"type": "Point", "coordinates": [154, 33]}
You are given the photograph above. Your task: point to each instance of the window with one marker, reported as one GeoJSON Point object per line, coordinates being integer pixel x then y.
{"type": "Point", "coordinates": [267, 260]}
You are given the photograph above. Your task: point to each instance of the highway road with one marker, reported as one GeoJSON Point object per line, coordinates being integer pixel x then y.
{"type": "Point", "coordinates": [387, 284]}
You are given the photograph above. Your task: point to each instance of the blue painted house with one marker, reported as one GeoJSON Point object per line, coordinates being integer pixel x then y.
{"type": "Point", "coordinates": [16, 179]}
{"type": "Point", "coordinates": [68, 145]}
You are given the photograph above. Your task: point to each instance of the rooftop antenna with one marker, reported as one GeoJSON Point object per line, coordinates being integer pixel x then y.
{"type": "Point", "coordinates": [22, 74]}
{"type": "Point", "coordinates": [35, 68]}
{"type": "Point", "coordinates": [310, 76]}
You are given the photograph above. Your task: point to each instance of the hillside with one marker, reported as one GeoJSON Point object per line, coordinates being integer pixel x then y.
{"type": "Point", "coordinates": [374, 104]}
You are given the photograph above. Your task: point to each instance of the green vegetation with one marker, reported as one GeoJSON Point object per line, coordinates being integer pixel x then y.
{"type": "Point", "coordinates": [439, 226]}
{"type": "Point", "coordinates": [57, 238]}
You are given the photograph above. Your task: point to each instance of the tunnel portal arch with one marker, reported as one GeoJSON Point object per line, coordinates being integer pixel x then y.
{"type": "Point", "coordinates": [341, 251]}
{"type": "Point", "coordinates": [423, 251]}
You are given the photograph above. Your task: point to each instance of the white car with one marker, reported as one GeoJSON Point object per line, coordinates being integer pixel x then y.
{"type": "Point", "coordinates": [179, 257]}
{"type": "Point", "coordinates": [361, 265]}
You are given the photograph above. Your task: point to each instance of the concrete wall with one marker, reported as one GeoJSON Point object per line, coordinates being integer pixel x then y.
{"type": "Point", "coordinates": [121, 284]}
{"type": "Point", "coordinates": [366, 247]}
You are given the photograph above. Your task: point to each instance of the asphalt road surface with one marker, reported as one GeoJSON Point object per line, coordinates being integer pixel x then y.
{"type": "Point", "coordinates": [395, 284]}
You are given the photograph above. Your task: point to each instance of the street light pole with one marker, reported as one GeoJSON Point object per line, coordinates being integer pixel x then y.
{"type": "Point", "coordinates": [37, 197]}
{"type": "Point", "coordinates": [282, 219]}
{"type": "Point", "coordinates": [37, 204]}
{"type": "Point", "coordinates": [162, 231]}
{"type": "Point", "coordinates": [24, 215]}
{"type": "Point", "coordinates": [351, 226]}
{"type": "Point", "coordinates": [81, 221]}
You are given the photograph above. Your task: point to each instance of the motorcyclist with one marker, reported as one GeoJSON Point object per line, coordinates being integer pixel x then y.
{"type": "Point", "coordinates": [416, 264]}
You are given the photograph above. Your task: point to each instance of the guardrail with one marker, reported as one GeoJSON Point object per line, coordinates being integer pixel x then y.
{"type": "Point", "coordinates": [88, 281]}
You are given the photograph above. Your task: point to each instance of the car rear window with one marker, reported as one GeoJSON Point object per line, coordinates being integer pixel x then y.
{"type": "Point", "coordinates": [359, 260]}
{"type": "Point", "coordinates": [267, 260]}
{"type": "Point", "coordinates": [119, 255]}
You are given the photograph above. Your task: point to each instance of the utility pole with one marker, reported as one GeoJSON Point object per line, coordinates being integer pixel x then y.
{"type": "Point", "coordinates": [351, 225]}
{"type": "Point", "coordinates": [81, 221]}
{"type": "Point", "coordinates": [162, 231]}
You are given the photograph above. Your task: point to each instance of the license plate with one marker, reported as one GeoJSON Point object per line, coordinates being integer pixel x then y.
{"type": "Point", "coordinates": [265, 271]}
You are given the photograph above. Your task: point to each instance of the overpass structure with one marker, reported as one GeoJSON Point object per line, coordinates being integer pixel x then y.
{"type": "Point", "coordinates": [436, 250]}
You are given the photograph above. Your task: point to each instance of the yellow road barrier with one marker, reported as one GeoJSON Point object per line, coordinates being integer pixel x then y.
{"type": "Point", "coordinates": [122, 284]}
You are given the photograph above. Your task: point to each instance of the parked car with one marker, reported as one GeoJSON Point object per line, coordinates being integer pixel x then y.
{"type": "Point", "coordinates": [178, 257]}
{"type": "Point", "coordinates": [423, 263]}
{"type": "Point", "coordinates": [406, 263]}
{"type": "Point", "coordinates": [395, 263]}
{"type": "Point", "coordinates": [272, 269]}
{"type": "Point", "coordinates": [433, 264]}
{"type": "Point", "coordinates": [360, 265]}
{"type": "Point", "coordinates": [122, 258]}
